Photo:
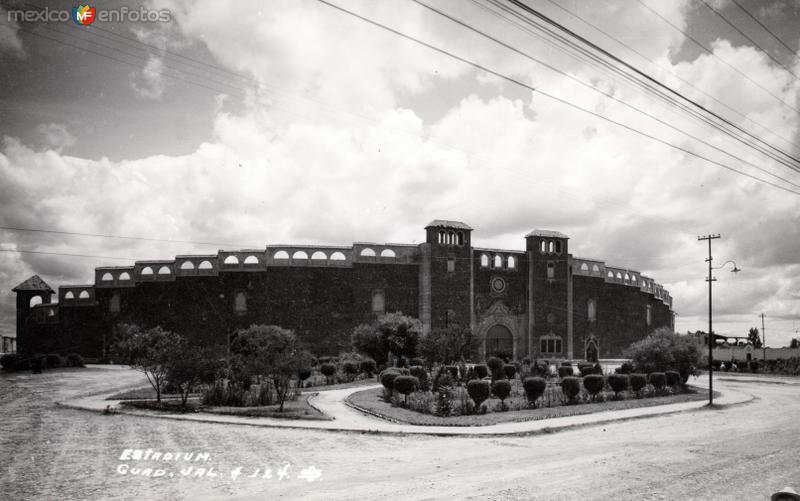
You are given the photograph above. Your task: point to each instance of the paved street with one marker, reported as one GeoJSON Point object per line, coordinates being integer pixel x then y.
{"type": "Point", "coordinates": [742, 452]}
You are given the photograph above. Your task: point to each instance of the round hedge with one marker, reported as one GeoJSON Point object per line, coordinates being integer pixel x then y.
{"type": "Point", "coordinates": [618, 382]}
{"type": "Point", "coordinates": [534, 388]}
{"type": "Point", "coordinates": [387, 378]}
{"type": "Point", "coordinates": [303, 374]}
{"type": "Point", "coordinates": [478, 391]}
{"type": "Point", "coordinates": [327, 369]}
{"type": "Point", "coordinates": [481, 370]}
{"type": "Point", "coordinates": [673, 378]}
{"type": "Point", "coordinates": [501, 389]}
{"type": "Point", "coordinates": [638, 382]}
{"type": "Point", "coordinates": [350, 368]}
{"type": "Point", "coordinates": [658, 380]}
{"type": "Point", "coordinates": [510, 371]}
{"type": "Point", "coordinates": [571, 386]}
{"type": "Point", "coordinates": [586, 369]}
{"type": "Point", "coordinates": [593, 384]}
{"type": "Point", "coordinates": [417, 361]}
{"type": "Point", "coordinates": [565, 371]}
{"type": "Point", "coordinates": [421, 374]}
{"type": "Point", "coordinates": [368, 365]}
{"type": "Point", "coordinates": [405, 384]}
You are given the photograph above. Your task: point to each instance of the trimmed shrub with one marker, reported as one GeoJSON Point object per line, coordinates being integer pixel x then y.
{"type": "Point", "coordinates": [478, 391]}
{"type": "Point", "coordinates": [534, 388]}
{"type": "Point", "coordinates": [566, 364]}
{"type": "Point", "coordinates": [452, 370]}
{"type": "Point", "coordinates": [405, 385]}
{"type": "Point", "coordinates": [673, 378]}
{"type": "Point", "coordinates": [74, 360]}
{"type": "Point", "coordinates": [328, 370]}
{"type": "Point", "coordinates": [417, 361]}
{"type": "Point", "coordinates": [565, 371]}
{"type": "Point", "coordinates": [444, 402]}
{"type": "Point", "coordinates": [626, 368]}
{"type": "Point", "coordinates": [387, 378]}
{"type": "Point", "coordinates": [495, 367]}
{"type": "Point", "coordinates": [571, 386]}
{"type": "Point", "coordinates": [350, 368]}
{"type": "Point", "coordinates": [303, 374]}
{"type": "Point", "coordinates": [716, 364]}
{"type": "Point", "coordinates": [368, 366]}
{"type": "Point", "coordinates": [658, 380]}
{"type": "Point", "coordinates": [594, 384]}
{"type": "Point", "coordinates": [443, 380]}
{"type": "Point", "coordinates": [586, 369]}
{"type": "Point", "coordinates": [638, 382]}
{"type": "Point", "coordinates": [54, 360]}
{"type": "Point", "coordinates": [618, 383]}
{"type": "Point", "coordinates": [510, 371]}
{"type": "Point", "coordinates": [598, 369]}
{"type": "Point", "coordinates": [421, 374]}
{"type": "Point", "coordinates": [728, 364]}
{"type": "Point", "coordinates": [754, 365]}
{"type": "Point", "coordinates": [481, 370]}
{"type": "Point", "coordinates": [501, 389]}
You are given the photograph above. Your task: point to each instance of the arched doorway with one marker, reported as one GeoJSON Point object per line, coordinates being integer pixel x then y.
{"type": "Point", "coordinates": [591, 349]}
{"type": "Point", "coordinates": [499, 341]}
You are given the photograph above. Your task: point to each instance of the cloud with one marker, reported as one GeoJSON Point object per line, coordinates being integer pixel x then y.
{"type": "Point", "coordinates": [149, 83]}
{"type": "Point", "coordinates": [55, 136]}
{"type": "Point", "coordinates": [10, 41]}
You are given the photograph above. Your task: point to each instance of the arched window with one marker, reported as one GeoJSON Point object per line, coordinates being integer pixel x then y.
{"type": "Point", "coordinates": [367, 252]}
{"type": "Point", "coordinates": [558, 246]}
{"type": "Point", "coordinates": [595, 268]}
{"type": "Point", "coordinates": [627, 277]}
{"type": "Point", "coordinates": [319, 256]}
{"type": "Point", "coordinates": [542, 246]}
{"type": "Point", "coordinates": [551, 246]}
{"type": "Point", "coordinates": [251, 260]}
{"type": "Point", "coordinates": [147, 270]}
{"type": "Point", "coordinates": [511, 262]}
{"type": "Point", "coordinates": [498, 261]}
{"type": "Point", "coordinates": [460, 238]}
{"type": "Point", "coordinates": [619, 276]}
{"type": "Point", "coordinates": [451, 238]}
{"type": "Point", "coordinates": [69, 295]}
{"type": "Point", "coordinates": [337, 256]}
{"type": "Point", "coordinates": [442, 237]}
{"type": "Point", "coordinates": [551, 270]}
{"type": "Point", "coordinates": [188, 265]}
{"type": "Point", "coordinates": [300, 255]}
{"type": "Point", "coordinates": [633, 279]}
{"type": "Point", "coordinates": [388, 253]}
{"type": "Point", "coordinates": [591, 311]}
{"type": "Point", "coordinates": [83, 295]}
{"type": "Point", "coordinates": [107, 277]}
{"type": "Point", "coordinates": [584, 267]}
{"type": "Point", "coordinates": [378, 302]}
{"type": "Point", "coordinates": [113, 304]}
{"type": "Point", "coordinates": [610, 274]}
{"type": "Point", "coordinates": [231, 260]}
{"type": "Point", "coordinates": [281, 255]}
{"type": "Point", "coordinates": [240, 303]}
{"type": "Point", "coordinates": [484, 261]}
{"type": "Point", "coordinates": [164, 270]}
{"type": "Point", "coordinates": [124, 276]}
{"type": "Point", "coordinates": [35, 300]}
{"type": "Point", "coordinates": [649, 315]}
{"type": "Point", "coordinates": [205, 265]}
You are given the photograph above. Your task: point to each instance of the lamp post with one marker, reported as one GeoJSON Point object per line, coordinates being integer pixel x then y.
{"type": "Point", "coordinates": [710, 278]}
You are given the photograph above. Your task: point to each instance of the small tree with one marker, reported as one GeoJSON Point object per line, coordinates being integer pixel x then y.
{"type": "Point", "coordinates": [421, 374]}
{"type": "Point", "coordinates": [192, 367]}
{"type": "Point", "coordinates": [658, 380]}
{"type": "Point", "coordinates": [405, 385]}
{"type": "Point", "coordinates": [638, 383]}
{"type": "Point", "coordinates": [449, 345]}
{"type": "Point", "coordinates": [328, 370]}
{"type": "Point", "coordinates": [368, 366]}
{"type": "Point", "coordinates": [501, 389]}
{"type": "Point", "coordinates": [150, 352]}
{"type": "Point", "coordinates": [481, 370]}
{"type": "Point", "coordinates": [510, 371]}
{"type": "Point", "coordinates": [754, 338]}
{"type": "Point", "coordinates": [618, 383]}
{"type": "Point", "coordinates": [534, 388]}
{"type": "Point", "coordinates": [593, 384]}
{"type": "Point", "coordinates": [495, 365]}
{"type": "Point", "coordinates": [367, 340]}
{"type": "Point", "coordinates": [571, 386]}
{"type": "Point", "coordinates": [478, 390]}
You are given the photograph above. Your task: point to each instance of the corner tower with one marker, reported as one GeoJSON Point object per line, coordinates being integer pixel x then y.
{"type": "Point", "coordinates": [446, 275]}
{"type": "Point", "coordinates": [549, 295]}
{"type": "Point", "coordinates": [31, 292]}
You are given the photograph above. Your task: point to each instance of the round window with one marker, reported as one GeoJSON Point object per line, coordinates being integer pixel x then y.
{"type": "Point", "coordinates": [498, 285]}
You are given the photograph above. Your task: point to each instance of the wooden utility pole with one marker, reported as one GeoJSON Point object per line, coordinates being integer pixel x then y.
{"type": "Point", "coordinates": [710, 278]}
{"type": "Point", "coordinates": [764, 337]}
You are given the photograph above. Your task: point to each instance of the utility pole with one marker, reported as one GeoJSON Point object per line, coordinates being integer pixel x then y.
{"type": "Point", "coordinates": [710, 278]}
{"type": "Point", "coordinates": [764, 337]}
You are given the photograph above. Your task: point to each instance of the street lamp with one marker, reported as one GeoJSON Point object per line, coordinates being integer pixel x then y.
{"type": "Point", "coordinates": [710, 278]}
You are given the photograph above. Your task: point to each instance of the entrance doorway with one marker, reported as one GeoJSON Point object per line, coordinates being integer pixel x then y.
{"type": "Point", "coordinates": [500, 342]}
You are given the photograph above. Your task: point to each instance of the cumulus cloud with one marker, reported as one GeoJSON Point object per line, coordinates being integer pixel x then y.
{"type": "Point", "coordinates": [55, 136]}
{"type": "Point", "coordinates": [149, 83]}
{"type": "Point", "coordinates": [339, 158]}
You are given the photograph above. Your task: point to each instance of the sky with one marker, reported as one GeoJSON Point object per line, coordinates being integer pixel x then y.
{"type": "Point", "coordinates": [291, 121]}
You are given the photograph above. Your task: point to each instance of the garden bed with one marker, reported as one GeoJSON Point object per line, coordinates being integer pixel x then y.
{"type": "Point", "coordinates": [340, 386]}
{"type": "Point", "coordinates": [145, 393]}
{"type": "Point", "coordinates": [292, 409]}
{"type": "Point", "coordinates": [372, 401]}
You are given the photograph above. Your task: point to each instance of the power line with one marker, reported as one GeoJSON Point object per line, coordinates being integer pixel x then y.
{"type": "Point", "coordinates": [696, 42]}
{"type": "Point", "coordinates": [729, 23]}
{"type": "Point", "coordinates": [671, 71]}
{"type": "Point", "coordinates": [550, 96]}
{"type": "Point", "coordinates": [595, 89]}
{"type": "Point", "coordinates": [22, 251]}
{"type": "Point", "coordinates": [776, 37]}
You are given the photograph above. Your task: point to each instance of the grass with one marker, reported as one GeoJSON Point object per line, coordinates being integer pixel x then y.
{"type": "Point", "coordinates": [372, 400]}
{"type": "Point", "coordinates": [319, 385]}
{"type": "Point", "coordinates": [144, 393]}
{"type": "Point", "coordinates": [292, 409]}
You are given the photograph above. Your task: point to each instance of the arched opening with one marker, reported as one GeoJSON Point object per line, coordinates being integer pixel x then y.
{"type": "Point", "coordinates": [188, 265]}
{"type": "Point", "coordinates": [591, 349]}
{"type": "Point", "coordinates": [499, 341]}
{"type": "Point", "coordinates": [281, 255]}
{"type": "Point", "coordinates": [511, 262]}
{"type": "Point", "coordinates": [367, 252]}
{"type": "Point", "coordinates": [231, 260]}
{"type": "Point", "coordinates": [542, 246]}
{"type": "Point", "coordinates": [164, 270]}
{"type": "Point", "coordinates": [124, 276]}
{"type": "Point", "coordinates": [498, 262]}
{"type": "Point", "coordinates": [319, 256]}
{"type": "Point", "coordinates": [460, 238]}
{"type": "Point", "coordinates": [484, 261]}
{"type": "Point", "coordinates": [69, 295]}
{"type": "Point", "coordinates": [251, 260]}
{"type": "Point", "coordinates": [591, 310]}
{"type": "Point", "coordinates": [451, 238]}
{"type": "Point", "coordinates": [83, 295]}
{"type": "Point", "coordinates": [147, 270]}
{"type": "Point", "coordinates": [34, 301]}
{"type": "Point", "coordinates": [337, 256]}
{"type": "Point", "coordinates": [558, 246]}
{"type": "Point", "coordinates": [107, 277]}
{"type": "Point", "coordinates": [551, 247]}
{"type": "Point", "coordinates": [300, 255]}
{"type": "Point", "coordinates": [205, 265]}
{"type": "Point", "coordinates": [595, 268]}
{"type": "Point", "coordinates": [441, 236]}
{"type": "Point", "coordinates": [584, 267]}
{"type": "Point", "coordinates": [388, 253]}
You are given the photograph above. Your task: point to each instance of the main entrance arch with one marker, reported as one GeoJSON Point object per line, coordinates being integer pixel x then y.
{"type": "Point", "coordinates": [591, 348]}
{"type": "Point", "coordinates": [499, 339]}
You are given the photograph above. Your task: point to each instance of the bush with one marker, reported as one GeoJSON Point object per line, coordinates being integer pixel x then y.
{"type": "Point", "coordinates": [351, 369]}
{"type": "Point", "coordinates": [74, 360]}
{"type": "Point", "coordinates": [754, 365]}
{"type": "Point", "coordinates": [586, 369]}
{"type": "Point", "coordinates": [405, 385]}
{"type": "Point", "coordinates": [328, 370]}
{"type": "Point", "coordinates": [368, 365]}
{"type": "Point", "coordinates": [534, 388]}
{"type": "Point", "coordinates": [593, 384]}
{"type": "Point", "coordinates": [481, 370]}
{"type": "Point", "coordinates": [673, 378]}
{"type": "Point", "coordinates": [478, 391]}
{"type": "Point", "coordinates": [444, 402]}
{"type": "Point", "coordinates": [716, 364]}
{"type": "Point", "coordinates": [417, 361]}
{"type": "Point", "coordinates": [452, 370]}
{"type": "Point", "coordinates": [501, 389]}
{"type": "Point", "coordinates": [496, 367]}
{"type": "Point", "coordinates": [54, 360]}
{"type": "Point", "coordinates": [421, 374]}
{"type": "Point", "coordinates": [509, 370]}
{"type": "Point", "coordinates": [566, 364]}
{"type": "Point", "coordinates": [625, 368]}
{"type": "Point", "coordinates": [13, 362]}
{"type": "Point", "coordinates": [565, 371]}
{"type": "Point", "coordinates": [663, 350]}
{"type": "Point", "coordinates": [571, 386]}
{"type": "Point", "coordinates": [618, 383]}
{"type": "Point", "coordinates": [728, 364]}
{"type": "Point", "coordinates": [303, 374]}
{"type": "Point", "coordinates": [658, 380]}
{"type": "Point", "coordinates": [638, 382]}
{"type": "Point", "coordinates": [443, 380]}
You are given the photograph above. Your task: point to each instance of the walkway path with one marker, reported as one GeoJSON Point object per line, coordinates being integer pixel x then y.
{"type": "Point", "coordinates": [346, 418]}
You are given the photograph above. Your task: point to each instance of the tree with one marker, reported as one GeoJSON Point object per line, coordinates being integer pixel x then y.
{"type": "Point", "coordinates": [662, 350]}
{"type": "Point", "coordinates": [152, 352]}
{"type": "Point", "coordinates": [754, 338]}
{"type": "Point", "coordinates": [367, 340]}
{"type": "Point", "coordinates": [400, 333]}
{"type": "Point", "coordinates": [795, 343]}
{"type": "Point", "coordinates": [449, 345]}
{"type": "Point", "coordinates": [273, 352]}
{"type": "Point", "coordinates": [194, 366]}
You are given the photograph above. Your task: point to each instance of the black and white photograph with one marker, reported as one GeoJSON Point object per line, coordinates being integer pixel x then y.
{"type": "Point", "coordinates": [530, 250]}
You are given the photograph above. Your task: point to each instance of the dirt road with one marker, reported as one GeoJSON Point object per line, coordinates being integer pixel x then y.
{"type": "Point", "coordinates": [48, 452]}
